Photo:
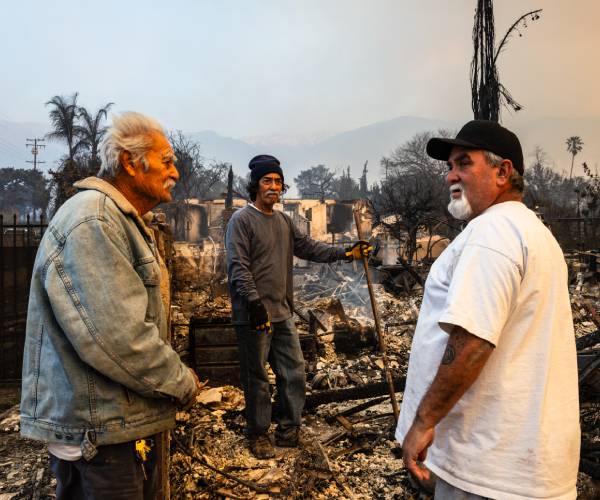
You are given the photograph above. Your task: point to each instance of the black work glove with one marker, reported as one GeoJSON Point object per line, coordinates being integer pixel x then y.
{"type": "Point", "coordinates": [359, 250]}
{"type": "Point", "coordinates": [258, 316]}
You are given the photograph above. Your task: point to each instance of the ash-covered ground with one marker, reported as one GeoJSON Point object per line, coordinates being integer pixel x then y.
{"type": "Point", "coordinates": [343, 454]}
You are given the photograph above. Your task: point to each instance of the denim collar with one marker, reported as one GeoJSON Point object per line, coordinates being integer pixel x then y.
{"type": "Point", "coordinates": [123, 203]}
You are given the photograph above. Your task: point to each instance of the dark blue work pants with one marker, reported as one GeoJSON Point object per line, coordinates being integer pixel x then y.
{"type": "Point", "coordinates": [115, 473]}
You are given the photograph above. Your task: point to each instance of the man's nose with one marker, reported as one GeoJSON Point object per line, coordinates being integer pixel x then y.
{"type": "Point", "coordinates": [452, 176]}
{"type": "Point", "coordinates": [174, 174]}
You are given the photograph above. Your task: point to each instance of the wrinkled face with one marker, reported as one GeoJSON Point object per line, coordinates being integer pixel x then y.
{"type": "Point", "coordinates": [156, 174]}
{"type": "Point", "coordinates": [472, 182]}
{"type": "Point", "coordinates": [269, 189]}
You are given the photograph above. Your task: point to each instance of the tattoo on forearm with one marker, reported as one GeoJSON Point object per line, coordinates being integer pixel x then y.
{"type": "Point", "coordinates": [449, 355]}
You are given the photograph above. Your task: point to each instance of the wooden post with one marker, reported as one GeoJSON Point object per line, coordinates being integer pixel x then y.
{"type": "Point", "coordinates": [380, 335]}
{"type": "Point", "coordinates": [164, 242]}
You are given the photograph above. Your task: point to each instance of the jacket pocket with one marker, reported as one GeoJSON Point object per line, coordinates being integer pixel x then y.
{"type": "Point", "coordinates": [149, 273]}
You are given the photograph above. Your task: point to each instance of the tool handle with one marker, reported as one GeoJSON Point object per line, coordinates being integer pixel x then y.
{"type": "Point", "coordinates": [380, 335]}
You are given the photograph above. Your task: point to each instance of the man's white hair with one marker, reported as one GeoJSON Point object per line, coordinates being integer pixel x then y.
{"type": "Point", "coordinates": [129, 132]}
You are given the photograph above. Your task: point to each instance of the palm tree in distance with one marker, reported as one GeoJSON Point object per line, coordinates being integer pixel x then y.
{"type": "Point", "coordinates": [574, 146]}
{"type": "Point", "coordinates": [91, 131]}
{"type": "Point", "coordinates": [63, 117]}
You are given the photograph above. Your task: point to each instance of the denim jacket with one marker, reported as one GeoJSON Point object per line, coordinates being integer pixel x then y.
{"type": "Point", "coordinates": [95, 368]}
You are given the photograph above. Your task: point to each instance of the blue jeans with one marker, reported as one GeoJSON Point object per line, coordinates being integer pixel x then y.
{"type": "Point", "coordinates": [282, 350]}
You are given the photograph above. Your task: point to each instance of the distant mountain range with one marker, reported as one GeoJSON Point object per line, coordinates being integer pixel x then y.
{"type": "Point", "coordinates": [336, 150]}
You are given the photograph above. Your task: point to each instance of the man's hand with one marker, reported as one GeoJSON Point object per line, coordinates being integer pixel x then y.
{"type": "Point", "coordinates": [258, 316]}
{"type": "Point", "coordinates": [187, 405]}
{"type": "Point", "coordinates": [414, 448]}
{"type": "Point", "coordinates": [359, 250]}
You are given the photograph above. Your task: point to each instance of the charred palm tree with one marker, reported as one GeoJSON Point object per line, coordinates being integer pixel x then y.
{"type": "Point", "coordinates": [91, 131]}
{"type": "Point", "coordinates": [63, 118]}
{"type": "Point", "coordinates": [486, 90]}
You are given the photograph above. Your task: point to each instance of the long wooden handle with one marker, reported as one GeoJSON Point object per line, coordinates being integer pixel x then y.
{"type": "Point", "coordinates": [380, 335]}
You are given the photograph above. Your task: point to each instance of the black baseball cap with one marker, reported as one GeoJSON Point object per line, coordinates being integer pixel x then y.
{"type": "Point", "coordinates": [481, 134]}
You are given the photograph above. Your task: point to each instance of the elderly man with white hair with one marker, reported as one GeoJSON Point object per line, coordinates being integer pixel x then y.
{"type": "Point", "coordinates": [99, 380]}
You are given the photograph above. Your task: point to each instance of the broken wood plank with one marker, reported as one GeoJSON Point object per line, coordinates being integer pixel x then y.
{"type": "Point", "coordinates": [325, 457]}
{"type": "Point", "coordinates": [306, 319]}
{"type": "Point", "coordinates": [587, 340]}
{"type": "Point", "coordinates": [334, 437]}
{"type": "Point", "coordinates": [356, 409]}
{"type": "Point", "coordinates": [345, 423]}
{"type": "Point", "coordinates": [587, 371]}
{"type": "Point", "coordinates": [348, 451]}
{"type": "Point", "coordinates": [359, 392]}
{"type": "Point", "coordinates": [373, 417]}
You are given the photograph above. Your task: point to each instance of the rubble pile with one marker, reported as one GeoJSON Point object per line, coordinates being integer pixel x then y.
{"type": "Point", "coordinates": [585, 300]}
{"type": "Point", "coordinates": [340, 456]}
{"type": "Point", "coordinates": [333, 461]}
{"type": "Point", "coordinates": [348, 449]}
{"type": "Point", "coordinates": [347, 446]}
{"type": "Point", "coordinates": [347, 340]}
{"type": "Point", "coordinates": [24, 471]}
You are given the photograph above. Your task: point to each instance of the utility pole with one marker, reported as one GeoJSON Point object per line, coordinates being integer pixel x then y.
{"type": "Point", "coordinates": [35, 144]}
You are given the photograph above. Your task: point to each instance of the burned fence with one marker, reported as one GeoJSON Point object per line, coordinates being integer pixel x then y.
{"type": "Point", "coordinates": [576, 233]}
{"type": "Point", "coordinates": [18, 247]}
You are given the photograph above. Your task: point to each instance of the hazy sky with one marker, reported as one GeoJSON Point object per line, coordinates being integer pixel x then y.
{"type": "Point", "coordinates": [250, 67]}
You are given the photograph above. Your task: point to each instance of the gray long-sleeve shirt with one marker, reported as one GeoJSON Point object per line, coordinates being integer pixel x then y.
{"type": "Point", "coordinates": [260, 250]}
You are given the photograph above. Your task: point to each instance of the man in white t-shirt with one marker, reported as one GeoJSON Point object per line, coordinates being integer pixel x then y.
{"type": "Point", "coordinates": [491, 401]}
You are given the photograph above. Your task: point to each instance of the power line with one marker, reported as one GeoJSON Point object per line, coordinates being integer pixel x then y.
{"type": "Point", "coordinates": [9, 146]}
{"type": "Point", "coordinates": [35, 145]}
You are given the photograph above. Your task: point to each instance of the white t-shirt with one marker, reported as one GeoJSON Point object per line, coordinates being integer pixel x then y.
{"type": "Point", "coordinates": [69, 452]}
{"type": "Point", "coordinates": [515, 433]}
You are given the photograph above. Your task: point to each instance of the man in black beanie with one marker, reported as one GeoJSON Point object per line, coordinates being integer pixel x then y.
{"type": "Point", "coordinates": [261, 243]}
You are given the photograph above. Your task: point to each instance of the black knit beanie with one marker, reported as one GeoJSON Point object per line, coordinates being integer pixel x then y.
{"type": "Point", "coordinates": [262, 165]}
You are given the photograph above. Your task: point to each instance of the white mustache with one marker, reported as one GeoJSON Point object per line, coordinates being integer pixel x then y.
{"type": "Point", "coordinates": [456, 186]}
{"type": "Point", "coordinates": [169, 183]}
{"type": "Point", "coordinates": [272, 192]}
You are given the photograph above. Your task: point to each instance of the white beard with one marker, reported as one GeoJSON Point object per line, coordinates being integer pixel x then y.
{"type": "Point", "coordinates": [460, 208]}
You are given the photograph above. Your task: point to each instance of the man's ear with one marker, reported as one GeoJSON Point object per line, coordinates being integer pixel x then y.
{"type": "Point", "coordinates": [126, 162]}
{"type": "Point", "coordinates": [505, 170]}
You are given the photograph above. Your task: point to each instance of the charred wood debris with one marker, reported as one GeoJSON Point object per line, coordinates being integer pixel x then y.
{"type": "Point", "coordinates": [348, 448]}
{"type": "Point", "coordinates": [347, 441]}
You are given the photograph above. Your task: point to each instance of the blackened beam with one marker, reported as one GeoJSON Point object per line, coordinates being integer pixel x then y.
{"type": "Point", "coordinates": [590, 468]}
{"type": "Point", "coordinates": [360, 392]}
{"type": "Point", "coordinates": [357, 408]}
{"type": "Point", "coordinates": [588, 340]}
{"type": "Point", "coordinates": [303, 317]}
{"type": "Point", "coordinates": [585, 373]}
